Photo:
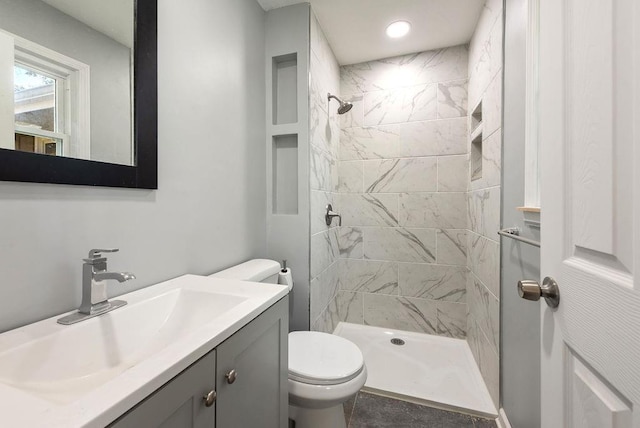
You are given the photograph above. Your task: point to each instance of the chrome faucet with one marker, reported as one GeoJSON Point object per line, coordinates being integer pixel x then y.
{"type": "Point", "coordinates": [94, 289]}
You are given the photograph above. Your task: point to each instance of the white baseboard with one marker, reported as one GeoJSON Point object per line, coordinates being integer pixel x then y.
{"type": "Point", "coordinates": [502, 420]}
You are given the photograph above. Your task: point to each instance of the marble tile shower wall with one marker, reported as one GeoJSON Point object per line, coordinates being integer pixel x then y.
{"type": "Point", "coordinates": [403, 182]}
{"type": "Point", "coordinates": [483, 286]}
{"type": "Point", "coordinates": [325, 136]}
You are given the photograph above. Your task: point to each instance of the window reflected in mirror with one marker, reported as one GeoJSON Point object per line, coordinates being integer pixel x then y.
{"type": "Point", "coordinates": [69, 67]}
{"type": "Point", "coordinates": [38, 111]}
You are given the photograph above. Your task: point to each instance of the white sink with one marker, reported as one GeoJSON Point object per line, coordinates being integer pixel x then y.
{"type": "Point", "coordinates": [62, 366]}
{"type": "Point", "coordinates": [111, 362]}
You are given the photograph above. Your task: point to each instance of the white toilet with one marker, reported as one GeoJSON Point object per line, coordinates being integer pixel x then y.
{"type": "Point", "coordinates": [324, 370]}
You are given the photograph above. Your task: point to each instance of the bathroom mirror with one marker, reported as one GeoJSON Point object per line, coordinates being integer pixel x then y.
{"type": "Point", "coordinates": [78, 92]}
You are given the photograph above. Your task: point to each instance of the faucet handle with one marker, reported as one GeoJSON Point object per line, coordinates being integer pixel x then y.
{"type": "Point", "coordinates": [95, 254]}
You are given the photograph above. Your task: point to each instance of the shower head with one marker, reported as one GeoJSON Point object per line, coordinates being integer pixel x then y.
{"type": "Point", "coordinates": [344, 106]}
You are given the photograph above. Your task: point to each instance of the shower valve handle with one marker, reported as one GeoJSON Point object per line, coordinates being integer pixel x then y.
{"type": "Point", "coordinates": [330, 214]}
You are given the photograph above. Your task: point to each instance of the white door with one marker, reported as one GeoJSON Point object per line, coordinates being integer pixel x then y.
{"type": "Point", "coordinates": [590, 200]}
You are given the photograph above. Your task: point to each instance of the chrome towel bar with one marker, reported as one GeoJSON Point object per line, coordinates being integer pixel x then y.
{"type": "Point", "coordinates": [514, 233]}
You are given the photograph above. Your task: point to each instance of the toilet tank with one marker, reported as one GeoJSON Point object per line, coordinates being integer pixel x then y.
{"type": "Point", "coordinates": [257, 270]}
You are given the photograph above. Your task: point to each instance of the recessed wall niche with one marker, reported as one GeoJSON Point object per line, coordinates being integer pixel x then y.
{"type": "Point", "coordinates": [285, 174]}
{"type": "Point", "coordinates": [285, 89]}
{"type": "Point", "coordinates": [476, 117]}
{"type": "Point", "coordinates": [476, 143]}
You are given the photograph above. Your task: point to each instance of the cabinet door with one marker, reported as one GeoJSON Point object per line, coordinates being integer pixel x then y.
{"type": "Point", "coordinates": [179, 403]}
{"type": "Point", "coordinates": [258, 397]}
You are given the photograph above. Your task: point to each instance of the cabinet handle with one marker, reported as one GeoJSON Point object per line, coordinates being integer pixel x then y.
{"type": "Point", "coordinates": [231, 376]}
{"type": "Point", "coordinates": [210, 398]}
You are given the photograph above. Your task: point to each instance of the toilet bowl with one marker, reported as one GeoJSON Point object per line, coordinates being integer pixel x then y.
{"type": "Point", "coordinates": [324, 370]}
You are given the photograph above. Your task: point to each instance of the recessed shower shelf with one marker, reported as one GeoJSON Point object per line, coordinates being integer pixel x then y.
{"type": "Point", "coordinates": [476, 117]}
{"type": "Point", "coordinates": [476, 143]}
{"type": "Point", "coordinates": [476, 132]}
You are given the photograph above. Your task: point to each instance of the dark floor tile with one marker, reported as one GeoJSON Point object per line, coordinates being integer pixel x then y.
{"type": "Point", "coordinates": [373, 411]}
{"type": "Point", "coordinates": [348, 407]}
{"type": "Point", "coordinates": [484, 423]}
{"type": "Point", "coordinates": [456, 420]}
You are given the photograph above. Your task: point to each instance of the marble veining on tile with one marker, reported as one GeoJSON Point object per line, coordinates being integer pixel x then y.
{"type": "Point", "coordinates": [488, 362]}
{"type": "Point", "coordinates": [324, 251]}
{"type": "Point", "coordinates": [369, 209]}
{"type": "Point", "coordinates": [484, 261]}
{"type": "Point", "coordinates": [435, 282]}
{"type": "Point", "coordinates": [452, 99]}
{"type": "Point", "coordinates": [484, 212]}
{"type": "Point", "coordinates": [483, 290]}
{"type": "Point", "coordinates": [453, 173]}
{"type": "Point", "coordinates": [400, 105]}
{"type": "Point", "coordinates": [485, 310]}
{"type": "Point", "coordinates": [400, 244]}
{"type": "Point", "coordinates": [368, 143]}
{"type": "Point", "coordinates": [323, 289]}
{"type": "Point", "coordinates": [350, 242]}
{"type": "Point", "coordinates": [430, 138]}
{"type": "Point", "coordinates": [320, 170]}
{"type": "Point", "coordinates": [324, 138]}
{"type": "Point", "coordinates": [413, 69]}
{"type": "Point", "coordinates": [347, 307]}
{"type": "Point", "coordinates": [436, 210]}
{"type": "Point", "coordinates": [404, 188]}
{"type": "Point", "coordinates": [402, 313]}
{"type": "Point", "coordinates": [350, 177]}
{"type": "Point", "coordinates": [452, 246]}
{"type": "Point", "coordinates": [452, 319]}
{"type": "Point", "coordinates": [400, 175]}
{"type": "Point", "coordinates": [492, 106]}
{"type": "Point", "coordinates": [320, 132]}
{"type": "Point", "coordinates": [369, 276]}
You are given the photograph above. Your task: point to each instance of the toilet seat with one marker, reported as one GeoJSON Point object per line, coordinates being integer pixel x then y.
{"type": "Point", "coordinates": [323, 359]}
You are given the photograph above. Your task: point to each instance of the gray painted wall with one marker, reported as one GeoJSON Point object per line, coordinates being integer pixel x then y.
{"type": "Point", "coordinates": [520, 326]}
{"type": "Point", "coordinates": [287, 32]}
{"type": "Point", "coordinates": [110, 61]}
{"type": "Point", "coordinates": [209, 211]}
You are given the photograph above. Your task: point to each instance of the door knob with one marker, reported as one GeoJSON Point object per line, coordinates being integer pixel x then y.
{"type": "Point", "coordinates": [231, 376]}
{"type": "Point", "coordinates": [531, 290]}
{"type": "Point", "coordinates": [210, 398]}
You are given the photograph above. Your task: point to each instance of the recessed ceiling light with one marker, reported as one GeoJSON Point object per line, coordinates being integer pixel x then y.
{"type": "Point", "coordinates": [398, 29]}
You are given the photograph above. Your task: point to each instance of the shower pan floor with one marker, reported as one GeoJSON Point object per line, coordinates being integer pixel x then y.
{"type": "Point", "coordinates": [432, 370]}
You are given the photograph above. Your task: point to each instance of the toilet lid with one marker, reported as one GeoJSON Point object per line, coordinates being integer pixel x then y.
{"type": "Point", "coordinates": [322, 358]}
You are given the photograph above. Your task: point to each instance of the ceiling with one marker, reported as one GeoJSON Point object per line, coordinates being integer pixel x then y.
{"type": "Point", "coordinates": [356, 28]}
{"type": "Point", "coordinates": [113, 18]}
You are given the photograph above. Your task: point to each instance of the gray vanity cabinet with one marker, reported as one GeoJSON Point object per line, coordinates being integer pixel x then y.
{"type": "Point", "coordinates": [179, 403]}
{"type": "Point", "coordinates": [252, 373]}
{"type": "Point", "coordinates": [247, 373]}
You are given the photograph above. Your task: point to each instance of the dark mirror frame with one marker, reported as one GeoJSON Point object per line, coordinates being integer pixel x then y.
{"type": "Point", "coordinates": [38, 168]}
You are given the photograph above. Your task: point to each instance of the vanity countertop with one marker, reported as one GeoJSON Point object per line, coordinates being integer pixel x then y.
{"type": "Point", "coordinates": [90, 373]}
